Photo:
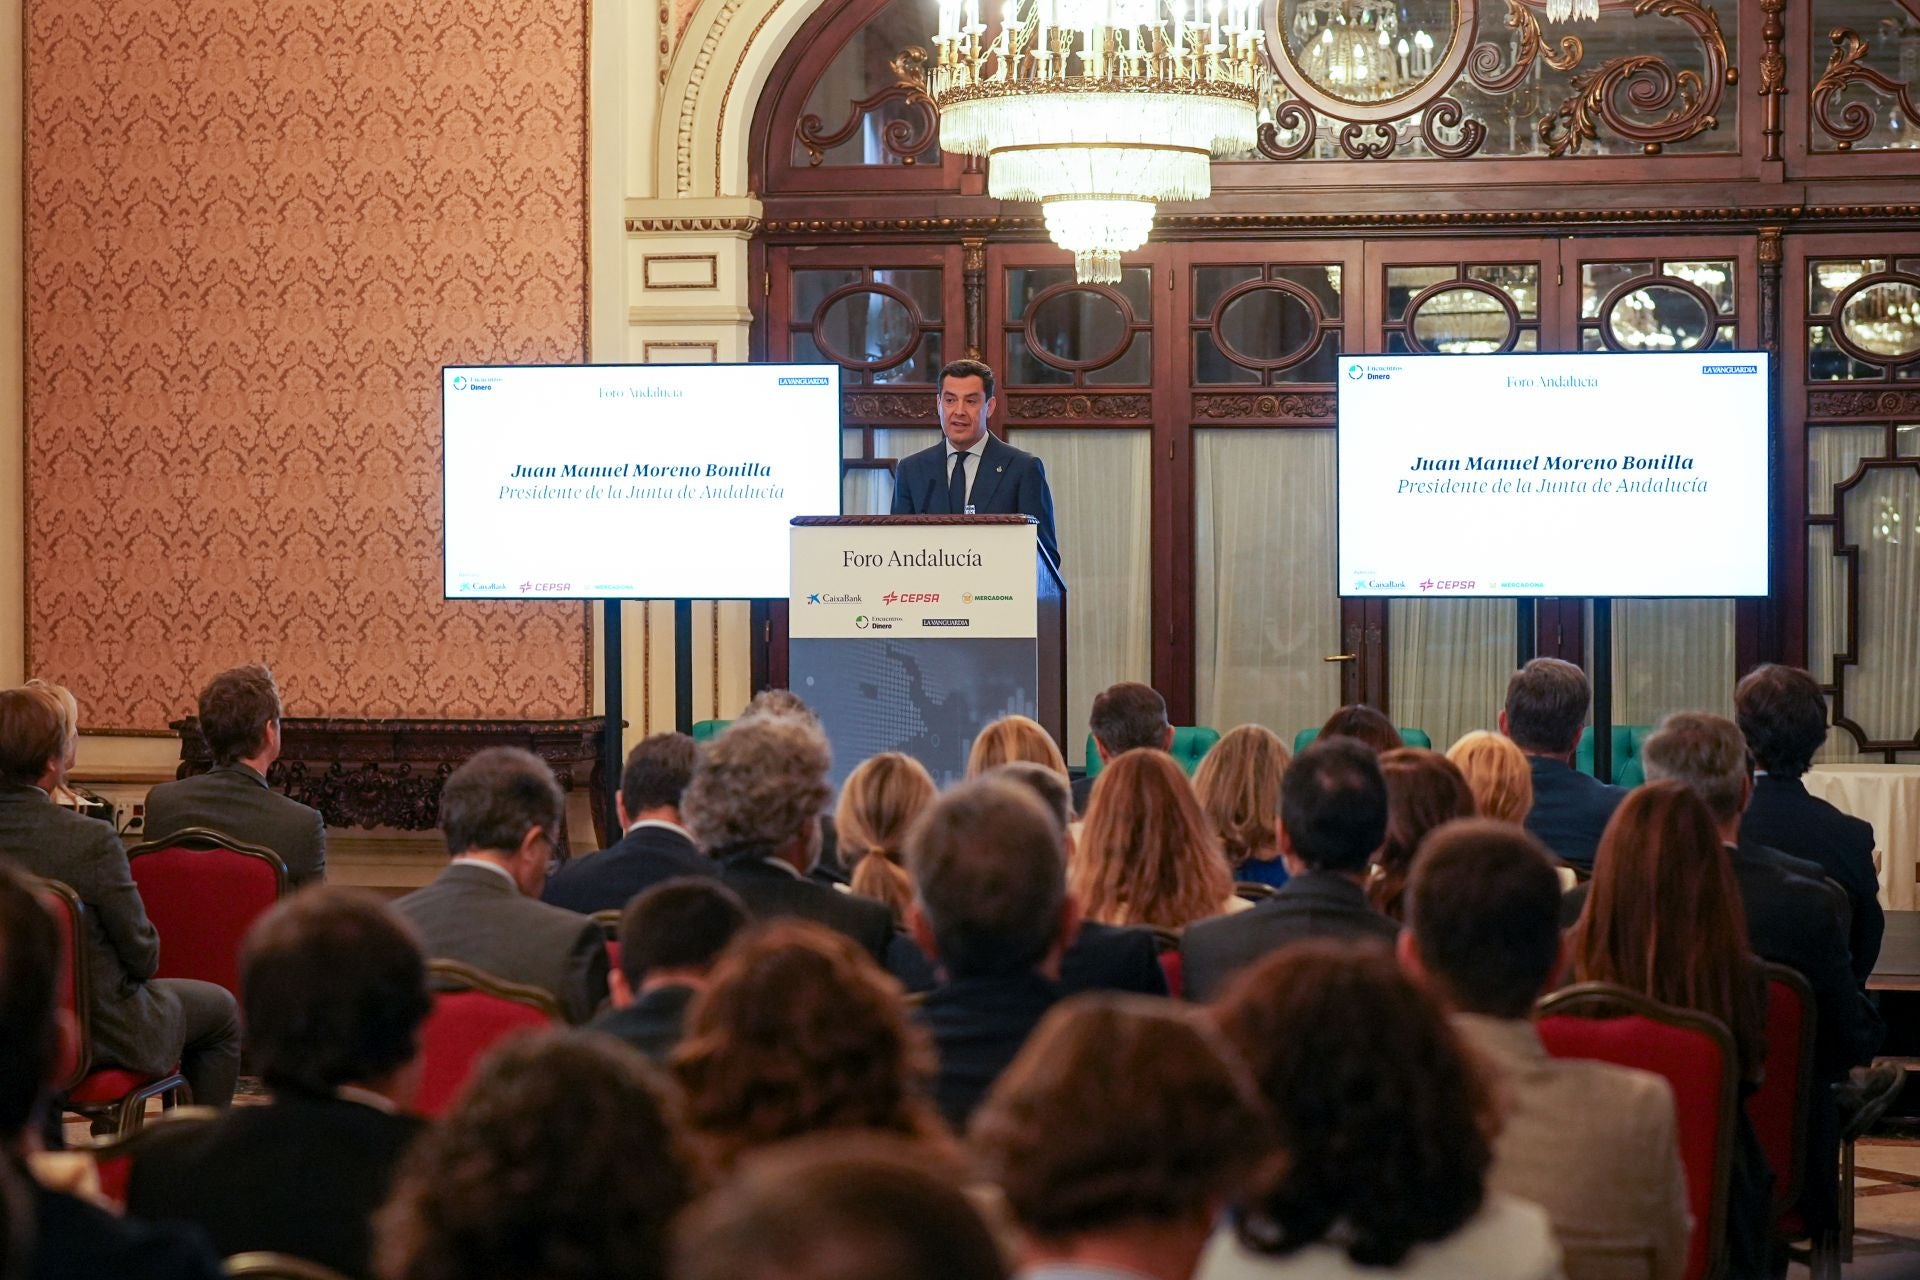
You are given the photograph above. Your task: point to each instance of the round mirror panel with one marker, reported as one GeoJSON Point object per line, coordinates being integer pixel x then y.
{"type": "Point", "coordinates": [1462, 322]}
{"type": "Point", "coordinates": [1078, 327]}
{"type": "Point", "coordinates": [1884, 319]}
{"type": "Point", "coordinates": [1660, 317]}
{"type": "Point", "coordinates": [1367, 50]}
{"type": "Point", "coordinates": [866, 328]}
{"type": "Point", "coordinates": [1266, 325]}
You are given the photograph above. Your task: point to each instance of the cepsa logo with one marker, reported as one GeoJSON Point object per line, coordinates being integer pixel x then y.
{"type": "Point", "coordinates": [1448, 584]}
{"type": "Point", "coordinates": [534, 588]}
{"type": "Point", "coordinates": [911, 597]}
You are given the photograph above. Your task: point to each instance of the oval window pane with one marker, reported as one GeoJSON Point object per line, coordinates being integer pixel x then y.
{"type": "Point", "coordinates": [1884, 319]}
{"type": "Point", "coordinates": [866, 329]}
{"type": "Point", "coordinates": [1079, 326]}
{"type": "Point", "coordinates": [1367, 50]}
{"type": "Point", "coordinates": [1462, 322]}
{"type": "Point", "coordinates": [1660, 317]}
{"type": "Point", "coordinates": [1264, 326]}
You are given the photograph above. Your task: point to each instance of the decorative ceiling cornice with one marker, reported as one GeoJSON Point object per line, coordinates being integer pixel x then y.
{"type": "Point", "coordinates": [738, 225]}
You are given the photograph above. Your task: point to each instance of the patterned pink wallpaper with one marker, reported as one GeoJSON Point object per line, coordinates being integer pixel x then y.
{"type": "Point", "coordinates": [255, 230]}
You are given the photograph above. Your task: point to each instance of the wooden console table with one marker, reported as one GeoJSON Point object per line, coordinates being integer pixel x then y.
{"type": "Point", "coordinates": [388, 773]}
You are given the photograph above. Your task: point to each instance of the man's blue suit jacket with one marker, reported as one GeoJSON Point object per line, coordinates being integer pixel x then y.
{"type": "Point", "coordinates": [1011, 482]}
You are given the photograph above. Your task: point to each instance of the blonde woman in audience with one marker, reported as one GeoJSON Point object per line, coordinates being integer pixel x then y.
{"type": "Point", "coordinates": [1238, 786]}
{"type": "Point", "coordinates": [879, 802]}
{"type": "Point", "coordinates": [799, 1032]}
{"type": "Point", "coordinates": [1424, 790]}
{"type": "Point", "coordinates": [61, 793]}
{"type": "Point", "coordinates": [1497, 773]}
{"type": "Point", "coordinates": [562, 1160]}
{"type": "Point", "coordinates": [1010, 739]}
{"type": "Point", "coordinates": [1145, 854]}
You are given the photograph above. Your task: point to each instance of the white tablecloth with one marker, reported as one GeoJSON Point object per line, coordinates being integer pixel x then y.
{"type": "Point", "coordinates": [1888, 796]}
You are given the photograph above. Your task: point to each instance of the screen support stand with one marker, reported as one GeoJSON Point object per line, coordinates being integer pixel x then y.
{"type": "Point", "coordinates": [612, 755]}
{"type": "Point", "coordinates": [1526, 631]}
{"type": "Point", "coordinates": [1602, 687]}
{"type": "Point", "coordinates": [683, 665]}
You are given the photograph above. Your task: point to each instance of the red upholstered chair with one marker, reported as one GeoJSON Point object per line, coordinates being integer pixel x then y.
{"type": "Point", "coordinates": [1171, 965]}
{"type": "Point", "coordinates": [472, 1011]}
{"type": "Point", "coordinates": [202, 891]}
{"type": "Point", "coordinates": [109, 1091]}
{"type": "Point", "coordinates": [609, 922]}
{"type": "Point", "coordinates": [1696, 1055]}
{"type": "Point", "coordinates": [113, 1160]}
{"type": "Point", "coordinates": [1781, 1107]}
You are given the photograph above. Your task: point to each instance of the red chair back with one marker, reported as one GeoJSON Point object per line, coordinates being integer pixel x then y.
{"type": "Point", "coordinates": [203, 890]}
{"type": "Point", "coordinates": [1696, 1056]}
{"type": "Point", "coordinates": [472, 1012]}
{"type": "Point", "coordinates": [71, 993]}
{"type": "Point", "coordinates": [1780, 1107]}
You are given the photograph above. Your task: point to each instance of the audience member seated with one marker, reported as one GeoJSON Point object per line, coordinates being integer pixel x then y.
{"type": "Point", "coordinates": [1363, 724]}
{"type": "Point", "coordinates": [1101, 957]}
{"type": "Point", "coordinates": [655, 846]}
{"type": "Point", "coordinates": [49, 1235]}
{"type": "Point", "coordinates": [879, 802]}
{"type": "Point", "coordinates": [334, 991]}
{"type": "Point", "coordinates": [1238, 786]}
{"type": "Point", "coordinates": [1011, 739]}
{"type": "Point", "coordinates": [562, 1160]}
{"type": "Point", "coordinates": [500, 813]}
{"type": "Point", "coordinates": [1545, 710]}
{"type": "Point", "coordinates": [1424, 790]}
{"type": "Point", "coordinates": [671, 936]}
{"type": "Point", "coordinates": [1126, 717]}
{"type": "Point", "coordinates": [992, 908]}
{"type": "Point", "coordinates": [1145, 854]}
{"type": "Point", "coordinates": [1497, 773]}
{"type": "Point", "coordinates": [1384, 1129]}
{"type": "Point", "coordinates": [1663, 918]}
{"type": "Point", "coordinates": [828, 867]}
{"type": "Point", "coordinates": [240, 719]}
{"type": "Point", "coordinates": [1783, 715]}
{"type": "Point", "coordinates": [798, 1032]}
{"type": "Point", "coordinates": [837, 1208]}
{"type": "Point", "coordinates": [754, 805]}
{"type": "Point", "coordinates": [1118, 1136]}
{"type": "Point", "coordinates": [1791, 920]}
{"type": "Point", "coordinates": [1333, 816]}
{"type": "Point", "coordinates": [63, 792]}
{"type": "Point", "coordinates": [1595, 1145]}
{"type": "Point", "coordinates": [139, 1022]}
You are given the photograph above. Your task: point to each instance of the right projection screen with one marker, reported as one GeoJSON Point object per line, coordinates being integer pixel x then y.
{"type": "Point", "coordinates": [1593, 474]}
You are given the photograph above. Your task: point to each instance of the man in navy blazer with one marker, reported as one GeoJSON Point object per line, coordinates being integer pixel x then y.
{"type": "Point", "coordinates": [1546, 706]}
{"type": "Point", "coordinates": [1783, 714]}
{"type": "Point", "coordinates": [656, 846]}
{"type": "Point", "coordinates": [995, 477]}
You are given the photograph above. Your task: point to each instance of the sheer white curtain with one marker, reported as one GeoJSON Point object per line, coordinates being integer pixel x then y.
{"type": "Point", "coordinates": [1671, 655]}
{"type": "Point", "coordinates": [1883, 519]}
{"type": "Point", "coordinates": [1267, 614]}
{"type": "Point", "coordinates": [868, 491]}
{"type": "Point", "coordinates": [1448, 663]}
{"type": "Point", "coordinates": [1102, 508]}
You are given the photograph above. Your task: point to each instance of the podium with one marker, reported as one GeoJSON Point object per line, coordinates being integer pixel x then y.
{"type": "Point", "coordinates": [911, 633]}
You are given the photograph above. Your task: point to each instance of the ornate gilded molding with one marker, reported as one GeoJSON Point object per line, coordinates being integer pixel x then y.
{"type": "Point", "coordinates": [869, 406]}
{"type": "Point", "coordinates": [1773, 76]}
{"type": "Point", "coordinates": [1483, 67]}
{"type": "Point", "coordinates": [1864, 403]}
{"type": "Point", "coordinates": [690, 99]}
{"type": "Point", "coordinates": [1844, 68]}
{"type": "Point", "coordinates": [1284, 405]}
{"type": "Point", "coordinates": [1644, 83]}
{"type": "Point", "coordinates": [906, 139]}
{"type": "Point", "coordinates": [743, 225]}
{"type": "Point", "coordinates": [1043, 408]}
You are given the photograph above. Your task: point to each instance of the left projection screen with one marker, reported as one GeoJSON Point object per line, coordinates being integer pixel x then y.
{"type": "Point", "coordinates": [633, 481]}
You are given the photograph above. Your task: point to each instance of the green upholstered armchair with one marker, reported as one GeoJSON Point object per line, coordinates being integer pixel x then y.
{"type": "Point", "coordinates": [1191, 742]}
{"type": "Point", "coordinates": [1626, 739]}
{"type": "Point", "coordinates": [1412, 737]}
{"type": "Point", "coordinates": [707, 730]}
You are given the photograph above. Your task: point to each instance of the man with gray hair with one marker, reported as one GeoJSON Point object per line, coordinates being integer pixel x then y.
{"type": "Point", "coordinates": [991, 906]}
{"type": "Point", "coordinates": [500, 812]}
{"type": "Point", "coordinates": [1545, 709]}
{"type": "Point", "coordinates": [754, 806]}
{"type": "Point", "coordinates": [1794, 919]}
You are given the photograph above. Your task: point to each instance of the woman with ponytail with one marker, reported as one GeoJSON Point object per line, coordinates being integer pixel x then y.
{"type": "Point", "coordinates": [878, 806]}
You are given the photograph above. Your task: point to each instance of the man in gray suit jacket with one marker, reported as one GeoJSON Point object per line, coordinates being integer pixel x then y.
{"type": "Point", "coordinates": [138, 1022]}
{"type": "Point", "coordinates": [240, 718]}
{"type": "Point", "coordinates": [500, 812]}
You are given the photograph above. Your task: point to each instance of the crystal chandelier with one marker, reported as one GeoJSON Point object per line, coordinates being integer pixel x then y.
{"type": "Point", "coordinates": [1357, 49]}
{"type": "Point", "coordinates": [1099, 109]}
{"type": "Point", "coordinates": [1562, 10]}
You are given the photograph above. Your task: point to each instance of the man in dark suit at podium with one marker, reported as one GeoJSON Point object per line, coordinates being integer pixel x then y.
{"type": "Point", "coordinates": [972, 471]}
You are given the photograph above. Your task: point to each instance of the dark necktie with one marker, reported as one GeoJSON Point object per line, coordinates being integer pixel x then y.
{"type": "Point", "coordinates": [957, 486]}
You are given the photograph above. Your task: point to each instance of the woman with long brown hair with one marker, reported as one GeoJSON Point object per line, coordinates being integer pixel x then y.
{"type": "Point", "coordinates": [1238, 786]}
{"type": "Point", "coordinates": [1664, 918]}
{"type": "Point", "coordinates": [1145, 853]}
{"type": "Point", "coordinates": [879, 802]}
{"type": "Point", "coordinates": [1424, 789]}
{"type": "Point", "coordinates": [1014, 738]}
